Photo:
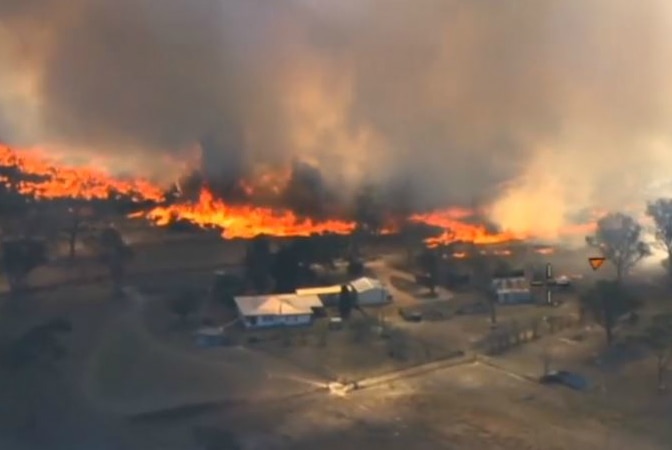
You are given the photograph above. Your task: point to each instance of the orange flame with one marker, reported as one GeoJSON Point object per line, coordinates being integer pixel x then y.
{"type": "Point", "coordinates": [54, 179]}
{"type": "Point", "coordinates": [457, 230]}
{"type": "Point", "coordinates": [243, 221]}
{"type": "Point", "coordinates": [58, 180]}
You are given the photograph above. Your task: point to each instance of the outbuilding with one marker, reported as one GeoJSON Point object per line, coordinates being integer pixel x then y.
{"type": "Point", "coordinates": [370, 292]}
{"type": "Point", "coordinates": [277, 310]}
{"type": "Point", "coordinates": [512, 288]}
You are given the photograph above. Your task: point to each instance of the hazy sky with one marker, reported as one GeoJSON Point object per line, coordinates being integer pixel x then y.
{"type": "Point", "coordinates": [567, 101]}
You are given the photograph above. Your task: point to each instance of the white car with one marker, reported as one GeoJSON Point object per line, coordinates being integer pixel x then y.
{"type": "Point", "coordinates": [563, 280]}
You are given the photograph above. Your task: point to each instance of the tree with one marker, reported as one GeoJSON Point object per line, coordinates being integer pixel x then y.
{"type": "Point", "coordinates": [355, 268]}
{"type": "Point", "coordinates": [618, 237]}
{"type": "Point", "coordinates": [368, 215]}
{"type": "Point", "coordinates": [19, 258]}
{"type": "Point", "coordinates": [115, 254]}
{"type": "Point", "coordinates": [225, 287]}
{"type": "Point", "coordinates": [32, 354]}
{"type": "Point", "coordinates": [40, 344]}
{"type": "Point", "coordinates": [661, 213]}
{"type": "Point", "coordinates": [429, 263]}
{"type": "Point", "coordinates": [657, 337]}
{"type": "Point", "coordinates": [77, 213]}
{"type": "Point", "coordinates": [321, 250]}
{"type": "Point", "coordinates": [606, 302]}
{"type": "Point", "coordinates": [258, 261]}
{"type": "Point", "coordinates": [481, 268]}
{"type": "Point", "coordinates": [346, 302]}
{"type": "Point", "coordinates": [368, 210]}
{"type": "Point", "coordinates": [184, 305]}
{"type": "Point", "coordinates": [285, 269]}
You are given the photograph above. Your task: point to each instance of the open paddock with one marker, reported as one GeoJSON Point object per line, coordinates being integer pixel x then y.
{"type": "Point", "coordinates": [364, 347]}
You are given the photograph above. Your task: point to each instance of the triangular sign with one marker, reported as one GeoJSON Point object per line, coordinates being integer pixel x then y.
{"type": "Point", "coordinates": [596, 262]}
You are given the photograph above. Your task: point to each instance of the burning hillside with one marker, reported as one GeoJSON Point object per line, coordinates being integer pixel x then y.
{"type": "Point", "coordinates": [31, 173]}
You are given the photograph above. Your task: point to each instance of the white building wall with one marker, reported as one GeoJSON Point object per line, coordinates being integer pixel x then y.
{"type": "Point", "coordinates": [277, 320]}
{"type": "Point", "coordinates": [376, 296]}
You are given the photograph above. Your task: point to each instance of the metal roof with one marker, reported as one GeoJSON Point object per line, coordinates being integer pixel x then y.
{"type": "Point", "coordinates": [320, 290]}
{"type": "Point", "coordinates": [277, 304]}
{"type": "Point", "coordinates": [366, 284]}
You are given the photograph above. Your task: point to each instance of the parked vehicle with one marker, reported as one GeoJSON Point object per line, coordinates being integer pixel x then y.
{"type": "Point", "coordinates": [565, 378]}
{"type": "Point", "coordinates": [410, 316]}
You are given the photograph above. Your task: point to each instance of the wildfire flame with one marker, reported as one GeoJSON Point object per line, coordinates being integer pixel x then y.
{"type": "Point", "coordinates": [56, 180]}
{"type": "Point", "coordinates": [45, 177]}
{"type": "Point", "coordinates": [243, 221]}
{"type": "Point", "coordinates": [455, 229]}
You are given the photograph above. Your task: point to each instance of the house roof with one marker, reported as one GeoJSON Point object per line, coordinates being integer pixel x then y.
{"type": "Point", "coordinates": [320, 290]}
{"type": "Point", "coordinates": [509, 274]}
{"type": "Point", "coordinates": [277, 305]}
{"type": "Point", "coordinates": [366, 284]}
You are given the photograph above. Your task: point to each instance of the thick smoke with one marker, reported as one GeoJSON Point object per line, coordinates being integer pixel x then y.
{"type": "Point", "coordinates": [550, 105]}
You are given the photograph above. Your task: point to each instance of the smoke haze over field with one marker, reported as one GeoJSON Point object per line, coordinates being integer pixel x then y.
{"type": "Point", "coordinates": [527, 103]}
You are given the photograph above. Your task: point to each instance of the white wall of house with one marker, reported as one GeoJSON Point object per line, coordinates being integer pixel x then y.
{"type": "Point", "coordinates": [374, 296]}
{"type": "Point", "coordinates": [514, 296]}
{"type": "Point", "coordinates": [276, 320]}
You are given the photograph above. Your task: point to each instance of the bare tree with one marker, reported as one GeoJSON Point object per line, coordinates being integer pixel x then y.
{"type": "Point", "coordinates": [607, 302]}
{"type": "Point", "coordinates": [618, 237]}
{"type": "Point", "coordinates": [661, 213]}
{"type": "Point", "coordinates": [75, 223]}
{"type": "Point", "coordinates": [115, 254]}
{"type": "Point", "coordinates": [657, 337]}
{"type": "Point", "coordinates": [481, 268]}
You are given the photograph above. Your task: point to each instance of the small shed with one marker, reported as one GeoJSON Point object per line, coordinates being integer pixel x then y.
{"type": "Point", "coordinates": [265, 311]}
{"type": "Point", "coordinates": [512, 288]}
{"type": "Point", "coordinates": [370, 292]}
{"type": "Point", "coordinates": [210, 337]}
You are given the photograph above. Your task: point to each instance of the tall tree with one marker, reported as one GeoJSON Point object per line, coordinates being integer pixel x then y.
{"type": "Point", "coordinates": [185, 303]}
{"type": "Point", "coordinates": [657, 337]}
{"type": "Point", "coordinates": [75, 224]}
{"type": "Point", "coordinates": [225, 288]}
{"type": "Point", "coordinates": [258, 262]}
{"type": "Point", "coordinates": [606, 302]}
{"type": "Point", "coordinates": [618, 237]}
{"type": "Point", "coordinates": [355, 268]}
{"type": "Point", "coordinates": [285, 269]}
{"type": "Point", "coordinates": [368, 215]}
{"type": "Point", "coordinates": [661, 213]}
{"type": "Point", "coordinates": [369, 209]}
{"type": "Point", "coordinates": [429, 263]}
{"type": "Point", "coordinates": [20, 257]}
{"type": "Point", "coordinates": [346, 302]}
{"type": "Point", "coordinates": [115, 254]}
{"type": "Point", "coordinates": [482, 271]}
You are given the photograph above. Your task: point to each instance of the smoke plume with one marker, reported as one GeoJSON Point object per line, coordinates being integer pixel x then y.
{"type": "Point", "coordinates": [543, 107]}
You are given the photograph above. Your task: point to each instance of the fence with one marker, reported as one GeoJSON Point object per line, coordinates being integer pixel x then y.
{"type": "Point", "coordinates": [513, 334]}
